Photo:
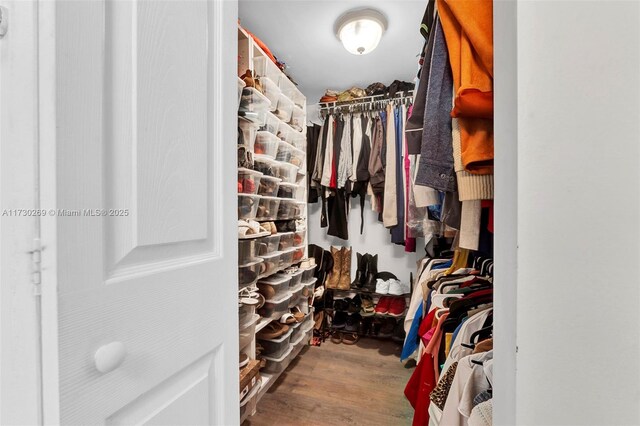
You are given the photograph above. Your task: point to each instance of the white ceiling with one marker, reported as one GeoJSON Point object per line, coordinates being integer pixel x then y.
{"type": "Point", "coordinates": [300, 33]}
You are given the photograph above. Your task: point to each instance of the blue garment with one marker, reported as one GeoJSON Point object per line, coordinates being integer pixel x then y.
{"type": "Point", "coordinates": [444, 265]}
{"type": "Point", "coordinates": [412, 342]}
{"type": "Point", "coordinates": [397, 232]}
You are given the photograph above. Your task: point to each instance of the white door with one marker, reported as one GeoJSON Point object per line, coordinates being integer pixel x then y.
{"type": "Point", "coordinates": [140, 122]}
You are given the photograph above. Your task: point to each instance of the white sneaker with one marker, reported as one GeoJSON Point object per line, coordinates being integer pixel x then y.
{"type": "Point", "coordinates": [382, 286]}
{"type": "Point", "coordinates": [395, 287]}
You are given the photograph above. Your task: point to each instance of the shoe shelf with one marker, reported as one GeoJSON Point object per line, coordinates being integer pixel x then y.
{"type": "Point", "coordinates": [364, 292]}
{"type": "Point", "coordinates": [285, 111]}
{"type": "Point", "coordinates": [262, 324]}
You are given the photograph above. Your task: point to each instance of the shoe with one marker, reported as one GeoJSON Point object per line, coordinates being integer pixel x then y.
{"type": "Point", "coordinates": [353, 321]}
{"type": "Point", "coordinates": [272, 331]}
{"type": "Point", "coordinates": [364, 327]}
{"type": "Point", "coordinates": [396, 288]}
{"type": "Point", "coordinates": [368, 307]}
{"type": "Point", "coordinates": [341, 304]}
{"type": "Point", "coordinates": [244, 360]}
{"type": "Point", "coordinates": [339, 320]}
{"type": "Point", "coordinates": [334, 275]}
{"type": "Point", "coordinates": [383, 305]}
{"type": "Point", "coordinates": [336, 337]}
{"type": "Point", "coordinates": [350, 338]}
{"type": "Point", "coordinates": [399, 333]}
{"type": "Point", "coordinates": [397, 306]}
{"type": "Point", "coordinates": [345, 269]}
{"type": "Point", "coordinates": [375, 327]}
{"type": "Point", "coordinates": [382, 286]}
{"type": "Point", "coordinates": [355, 304]}
{"type": "Point", "coordinates": [361, 272]}
{"type": "Point", "coordinates": [386, 330]}
{"type": "Point", "coordinates": [372, 272]}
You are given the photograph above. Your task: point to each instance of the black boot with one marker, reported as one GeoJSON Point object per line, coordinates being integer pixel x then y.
{"type": "Point", "coordinates": [372, 274]}
{"type": "Point", "coordinates": [361, 273]}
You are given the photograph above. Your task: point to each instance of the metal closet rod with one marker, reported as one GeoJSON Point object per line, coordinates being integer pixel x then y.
{"type": "Point", "coordinates": [361, 101]}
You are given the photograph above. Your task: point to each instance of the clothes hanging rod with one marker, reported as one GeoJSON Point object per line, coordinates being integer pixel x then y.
{"type": "Point", "coordinates": [365, 100]}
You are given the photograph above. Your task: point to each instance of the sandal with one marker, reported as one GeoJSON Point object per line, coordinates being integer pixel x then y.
{"type": "Point", "coordinates": [350, 338]}
{"type": "Point", "coordinates": [272, 331]}
{"type": "Point", "coordinates": [288, 319]}
{"type": "Point", "coordinates": [336, 337]}
{"type": "Point", "coordinates": [368, 307]}
{"type": "Point", "coordinates": [297, 314]}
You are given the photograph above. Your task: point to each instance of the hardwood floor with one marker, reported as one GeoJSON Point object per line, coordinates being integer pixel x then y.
{"type": "Point", "coordinates": [337, 384]}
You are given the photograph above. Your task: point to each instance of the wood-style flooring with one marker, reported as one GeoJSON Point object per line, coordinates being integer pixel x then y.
{"type": "Point", "coordinates": [337, 384]}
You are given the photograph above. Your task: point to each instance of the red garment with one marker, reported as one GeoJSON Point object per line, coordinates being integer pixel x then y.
{"type": "Point", "coordinates": [426, 324]}
{"type": "Point", "coordinates": [489, 204]}
{"type": "Point", "coordinates": [418, 389]}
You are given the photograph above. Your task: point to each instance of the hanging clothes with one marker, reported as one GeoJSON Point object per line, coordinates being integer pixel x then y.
{"type": "Point", "coordinates": [436, 168]}
{"type": "Point", "coordinates": [397, 232]}
{"type": "Point", "coordinates": [468, 28]}
{"type": "Point", "coordinates": [390, 212]}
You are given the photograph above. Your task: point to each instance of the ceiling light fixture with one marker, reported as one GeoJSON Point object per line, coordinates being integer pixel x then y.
{"type": "Point", "coordinates": [360, 30]}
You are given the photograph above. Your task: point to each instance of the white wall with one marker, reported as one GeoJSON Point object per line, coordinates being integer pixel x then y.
{"type": "Point", "coordinates": [577, 209]}
{"type": "Point", "coordinates": [375, 239]}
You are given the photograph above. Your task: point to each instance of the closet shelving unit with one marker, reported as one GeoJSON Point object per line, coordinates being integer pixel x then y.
{"type": "Point", "coordinates": [285, 126]}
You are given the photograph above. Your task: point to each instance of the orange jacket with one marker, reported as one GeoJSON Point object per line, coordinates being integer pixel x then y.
{"type": "Point", "coordinates": [468, 29]}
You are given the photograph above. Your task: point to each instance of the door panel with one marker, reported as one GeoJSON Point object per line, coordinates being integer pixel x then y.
{"type": "Point", "coordinates": [157, 133]}
{"type": "Point", "coordinates": [141, 128]}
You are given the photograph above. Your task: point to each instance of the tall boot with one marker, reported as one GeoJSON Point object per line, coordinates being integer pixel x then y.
{"type": "Point", "coordinates": [372, 272]}
{"type": "Point", "coordinates": [334, 276]}
{"type": "Point", "coordinates": [361, 273]}
{"type": "Point", "coordinates": [345, 270]}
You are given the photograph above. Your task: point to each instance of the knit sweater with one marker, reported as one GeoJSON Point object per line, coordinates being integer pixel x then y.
{"type": "Point", "coordinates": [468, 28]}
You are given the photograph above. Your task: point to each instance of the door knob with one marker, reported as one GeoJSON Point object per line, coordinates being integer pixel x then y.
{"type": "Point", "coordinates": [109, 357]}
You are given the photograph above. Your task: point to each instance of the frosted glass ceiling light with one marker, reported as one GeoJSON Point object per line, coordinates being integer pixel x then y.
{"type": "Point", "coordinates": [360, 30]}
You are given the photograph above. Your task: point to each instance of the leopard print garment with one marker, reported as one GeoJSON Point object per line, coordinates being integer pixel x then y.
{"type": "Point", "coordinates": [439, 394]}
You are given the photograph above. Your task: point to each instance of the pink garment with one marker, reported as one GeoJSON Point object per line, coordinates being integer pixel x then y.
{"type": "Point", "coordinates": [434, 344]}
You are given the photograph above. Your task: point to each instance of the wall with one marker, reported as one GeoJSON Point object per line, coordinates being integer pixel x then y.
{"type": "Point", "coordinates": [375, 239]}
{"type": "Point", "coordinates": [577, 209]}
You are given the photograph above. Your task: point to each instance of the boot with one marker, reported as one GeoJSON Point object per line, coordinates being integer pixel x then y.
{"type": "Point", "coordinates": [372, 273]}
{"type": "Point", "coordinates": [361, 273]}
{"type": "Point", "coordinates": [345, 270]}
{"type": "Point", "coordinates": [334, 277]}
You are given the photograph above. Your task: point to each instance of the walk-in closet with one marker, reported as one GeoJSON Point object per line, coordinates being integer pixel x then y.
{"type": "Point", "coordinates": [319, 212]}
{"type": "Point", "coordinates": [365, 208]}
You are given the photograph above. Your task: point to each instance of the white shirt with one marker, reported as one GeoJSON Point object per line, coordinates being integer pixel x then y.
{"type": "Point", "coordinates": [468, 380]}
{"type": "Point", "coordinates": [328, 154]}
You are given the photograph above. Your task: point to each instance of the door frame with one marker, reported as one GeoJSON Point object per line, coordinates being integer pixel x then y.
{"type": "Point", "coordinates": [20, 363]}
{"type": "Point", "coordinates": [506, 209]}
